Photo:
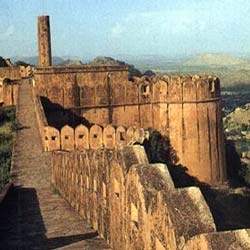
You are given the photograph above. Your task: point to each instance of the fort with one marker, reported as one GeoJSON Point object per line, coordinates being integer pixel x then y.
{"type": "Point", "coordinates": [98, 163]}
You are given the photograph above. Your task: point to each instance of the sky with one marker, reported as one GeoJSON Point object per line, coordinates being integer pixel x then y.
{"type": "Point", "coordinates": [89, 28]}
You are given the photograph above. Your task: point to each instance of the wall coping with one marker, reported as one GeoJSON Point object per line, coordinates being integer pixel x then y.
{"type": "Point", "coordinates": [78, 69]}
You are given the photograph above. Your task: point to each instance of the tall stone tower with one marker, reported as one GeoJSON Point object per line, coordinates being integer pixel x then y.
{"type": "Point", "coordinates": [44, 43]}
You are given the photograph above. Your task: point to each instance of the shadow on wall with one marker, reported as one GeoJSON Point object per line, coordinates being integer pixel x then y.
{"type": "Point", "coordinates": [30, 222]}
{"type": "Point", "coordinates": [57, 116]}
{"type": "Point", "coordinates": [230, 208]}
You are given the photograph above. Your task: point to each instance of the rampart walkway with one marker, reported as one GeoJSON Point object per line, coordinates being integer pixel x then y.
{"type": "Point", "coordinates": [33, 216]}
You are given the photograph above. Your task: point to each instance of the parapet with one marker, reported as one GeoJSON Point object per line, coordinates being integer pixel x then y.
{"type": "Point", "coordinates": [177, 89]}
{"type": "Point", "coordinates": [135, 205]}
{"type": "Point", "coordinates": [131, 203]}
{"type": "Point", "coordinates": [78, 69]}
{"type": "Point", "coordinates": [96, 137]}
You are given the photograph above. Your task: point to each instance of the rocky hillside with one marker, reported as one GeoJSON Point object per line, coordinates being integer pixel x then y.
{"type": "Point", "coordinates": [214, 59]}
{"type": "Point", "coordinates": [33, 60]}
{"type": "Point", "coordinates": [237, 123]}
{"type": "Point", "coordinates": [111, 61]}
{"type": "Point", "coordinates": [72, 63]}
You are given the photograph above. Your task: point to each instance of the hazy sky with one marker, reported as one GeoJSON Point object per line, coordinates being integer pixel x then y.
{"type": "Point", "coordinates": [107, 27]}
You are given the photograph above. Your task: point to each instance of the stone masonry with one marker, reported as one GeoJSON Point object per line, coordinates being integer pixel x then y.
{"type": "Point", "coordinates": [33, 216]}
{"type": "Point", "coordinates": [44, 42]}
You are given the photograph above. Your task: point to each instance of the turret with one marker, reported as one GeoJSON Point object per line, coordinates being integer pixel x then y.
{"type": "Point", "coordinates": [44, 43]}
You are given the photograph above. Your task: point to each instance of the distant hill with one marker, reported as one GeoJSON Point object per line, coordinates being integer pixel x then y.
{"type": "Point", "coordinates": [111, 61]}
{"type": "Point", "coordinates": [103, 60]}
{"type": "Point", "coordinates": [71, 63]}
{"type": "Point", "coordinates": [33, 60]}
{"type": "Point", "coordinates": [214, 59]}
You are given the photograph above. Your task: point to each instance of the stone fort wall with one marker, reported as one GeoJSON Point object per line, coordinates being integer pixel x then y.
{"type": "Point", "coordinates": [186, 109]}
{"type": "Point", "coordinates": [83, 137]}
{"type": "Point", "coordinates": [134, 205]}
{"type": "Point", "coordinates": [96, 137]}
{"type": "Point", "coordinates": [10, 72]}
{"type": "Point", "coordinates": [8, 91]}
{"type": "Point", "coordinates": [9, 81]}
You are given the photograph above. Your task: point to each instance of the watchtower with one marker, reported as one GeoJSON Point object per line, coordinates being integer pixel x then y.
{"type": "Point", "coordinates": [44, 43]}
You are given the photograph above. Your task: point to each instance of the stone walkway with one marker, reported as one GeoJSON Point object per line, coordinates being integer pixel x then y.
{"type": "Point", "coordinates": [32, 215]}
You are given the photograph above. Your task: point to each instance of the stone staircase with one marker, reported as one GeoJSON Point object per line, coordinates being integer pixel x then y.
{"type": "Point", "coordinates": [33, 216]}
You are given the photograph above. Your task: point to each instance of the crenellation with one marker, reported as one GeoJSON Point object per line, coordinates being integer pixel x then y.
{"type": "Point", "coordinates": [133, 204]}
{"type": "Point", "coordinates": [170, 104]}
{"type": "Point", "coordinates": [109, 137]}
{"type": "Point", "coordinates": [52, 139]}
{"type": "Point", "coordinates": [67, 138]}
{"type": "Point", "coordinates": [175, 89]}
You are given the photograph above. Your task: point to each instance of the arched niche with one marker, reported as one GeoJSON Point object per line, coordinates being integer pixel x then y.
{"type": "Point", "coordinates": [130, 135]}
{"type": "Point", "coordinates": [132, 92]}
{"type": "Point", "coordinates": [67, 138]}
{"type": "Point", "coordinates": [81, 137]}
{"type": "Point", "coordinates": [120, 136]}
{"type": "Point", "coordinates": [175, 89]}
{"type": "Point", "coordinates": [160, 89]}
{"type": "Point", "coordinates": [96, 137]}
{"type": "Point", "coordinates": [202, 89]}
{"type": "Point", "coordinates": [145, 91]}
{"type": "Point", "coordinates": [189, 89]}
{"type": "Point", "coordinates": [109, 137]}
{"type": "Point", "coordinates": [51, 138]}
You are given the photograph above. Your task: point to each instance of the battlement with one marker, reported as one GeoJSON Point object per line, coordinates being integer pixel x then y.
{"type": "Point", "coordinates": [174, 89]}
{"type": "Point", "coordinates": [96, 137]}
{"type": "Point", "coordinates": [135, 205]}
{"type": "Point", "coordinates": [88, 87]}
{"type": "Point", "coordinates": [186, 109]}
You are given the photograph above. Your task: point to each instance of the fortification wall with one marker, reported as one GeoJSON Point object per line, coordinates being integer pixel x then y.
{"type": "Point", "coordinates": [40, 116]}
{"type": "Point", "coordinates": [237, 239]}
{"type": "Point", "coordinates": [72, 87]}
{"type": "Point", "coordinates": [8, 91]}
{"type": "Point", "coordinates": [134, 204]}
{"type": "Point", "coordinates": [10, 72]}
{"type": "Point", "coordinates": [95, 137]}
{"type": "Point", "coordinates": [185, 109]}
{"type": "Point", "coordinates": [82, 137]}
